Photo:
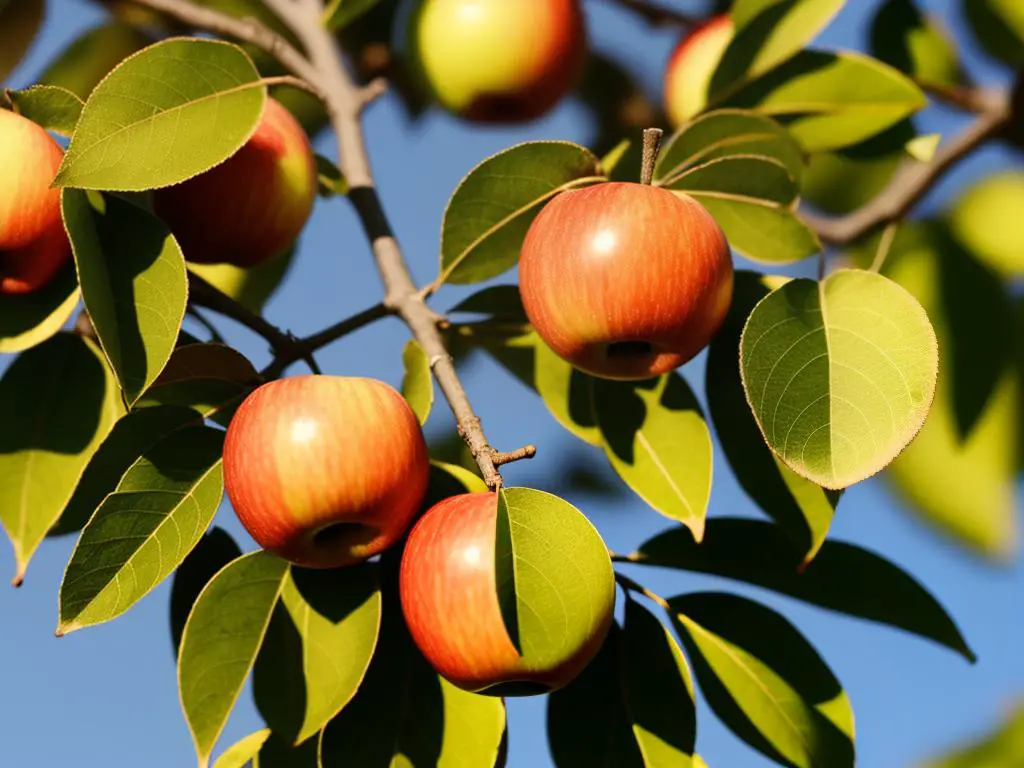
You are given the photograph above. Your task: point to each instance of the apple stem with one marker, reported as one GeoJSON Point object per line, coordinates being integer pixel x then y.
{"type": "Point", "coordinates": [652, 143]}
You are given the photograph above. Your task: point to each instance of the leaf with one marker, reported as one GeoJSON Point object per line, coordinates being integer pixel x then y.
{"type": "Point", "coordinates": [450, 480]}
{"type": "Point", "coordinates": [405, 714]}
{"type": "Point", "coordinates": [204, 377]}
{"type": "Point", "coordinates": [499, 302]}
{"type": "Point", "coordinates": [752, 200]}
{"type": "Point", "coordinates": [832, 100]}
{"type": "Point", "coordinates": [164, 115]}
{"type": "Point", "coordinates": [803, 509]}
{"type": "Point", "coordinates": [840, 374]}
{"type": "Point", "coordinates": [999, 26]}
{"type": "Point", "coordinates": [317, 648]}
{"type": "Point", "coordinates": [133, 282]}
{"type": "Point", "coordinates": [214, 551]}
{"type": "Point", "coordinates": [904, 38]}
{"type": "Point", "coordinates": [768, 33]}
{"type": "Point", "coordinates": [132, 435]}
{"type": "Point", "coordinates": [843, 577]}
{"type": "Point", "coordinates": [59, 401]}
{"type": "Point", "coordinates": [417, 383]}
{"type": "Point", "coordinates": [340, 13]}
{"type": "Point", "coordinates": [81, 65]}
{"type": "Point", "coordinates": [250, 287]}
{"type": "Point", "coordinates": [239, 754]}
{"type": "Point", "coordinates": [610, 160]}
{"type": "Point", "coordinates": [220, 642]}
{"type": "Point", "coordinates": [55, 109]}
{"type": "Point", "coordinates": [657, 440]}
{"type": "Point", "coordinates": [19, 24]}
{"type": "Point", "coordinates": [724, 133]}
{"type": "Point", "coordinates": [331, 182]}
{"type": "Point", "coordinates": [1002, 747]}
{"type": "Point", "coordinates": [278, 753]}
{"type": "Point", "coordinates": [143, 530]}
{"type": "Point", "coordinates": [658, 690]}
{"type": "Point", "coordinates": [32, 318]}
{"type": "Point", "coordinates": [492, 208]}
{"type": "Point", "coordinates": [765, 681]}
{"type": "Point", "coordinates": [985, 220]}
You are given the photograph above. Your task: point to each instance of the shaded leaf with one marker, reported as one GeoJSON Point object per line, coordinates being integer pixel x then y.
{"type": "Point", "coordinates": [239, 754]}
{"type": "Point", "coordinates": [843, 577]}
{"type": "Point", "coordinates": [81, 65]}
{"type": "Point", "coordinates": [204, 377]}
{"type": "Point", "coordinates": [56, 109]}
{"type": "Point", "coordinates": [903, 37]}
{"type": "Point", "coordinates": [450, 480]}
{"type": "Point", "coordinates": [499, 302]}
{"type": "Point", "coordinates": [19, 22]}
{"type": "Point", "coordinates": [133, 282]}
{"type": "Point", "coordinates": [999, 26]}
{"type": "Point", "coordinates": [252, 287]}
{"type": "Point", "coordinates": [167, 113]}
{"type": "Point", "coordinates": [340, 13]}
{"type": "Point", "coordinates": [32, 318]}
{"type": "Point", "coordinates": [214, 551]}
{"type": "Point", "coordinates": [417, 383]}
{"type": "Point", "coordinates": [331, 181]}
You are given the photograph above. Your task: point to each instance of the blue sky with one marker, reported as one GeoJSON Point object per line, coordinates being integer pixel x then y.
{"type": "Point", "coordinates": [106, 696]}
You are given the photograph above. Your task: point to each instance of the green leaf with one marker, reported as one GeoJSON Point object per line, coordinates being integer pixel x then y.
{"type": "Point", "coordinates": [32, 318]}
{"type": "Point", "coordinates": [204, 377]}
{"type": "Point", "coordinates": [768, 33]}
{"type": "Point", "coordinates": [765, 681]}
{"type": "Point", "coordinates": [833, 100]}
{"type": "Point", "coordinates": [130, 438]}
{"type": "Point", "coordinates": [88, 59]}
{"type": "Point", "coordinates": [658, 690]}
{"type": "Point", "coordinates": [499, 302]}
{"type": "Point", "coordinates": [752, 199]}
{"type": "Point", "coordinates": [164, 115]}
{"type": "Point", "coordinates": [802, 508]}
{"type": "Point", "coordinates": [133, 282]}
{"type": "Point", "coordinates": [724, 133]}
{"type": "Point", "coordinates": [214, 551]}
{"type": "Point", "coordinates": [493, 207]}
{"type": "Point", "coordinates": [840, 374]}
{"type": "Point", "coordinates": [251, 287]}
{"type": "Point", "coordinates": [144, 529]}
{"type": "Point", "coordinates": [657, 440]}
{"type": "Point", "coordinates": [554, 577]}
{"type": "Point", "coordinates": [239, 754]}
{"type": "Point", "coordinates": [450, 480]}
{"type": "Point", "coordinates": [904, 38]}
{"type": "Point", "coordinates": [19, 24]}
{"type": "Point", "coordinates": [610, 160]}
{"type": "Point", "coordinates": [985, 219]}
{"type": "Point", "coordinates": [56, 109]}
{"type": "Point", "coordinates": [278, 753]}
{"type": "Point", "coordinates": [220, 642]}
{"type": "Point", "coordinates": [843, 577]}
{"type": "Point", "coordinates": [317, 648]}
{"type": "Point", "coordinates": [405, 714]}
{"type": "Point", "coordinates": [1000, 748]}
{"type": "Point", "coordinates": [59, 401]}
{"type": "Point", "coordinates": [417, 383]}
{"type": "Point", "coordinates": [340, 13]}
{"type": "Point", "coordinates": [331, 182]}
{"type": "Point", "coordinates": [999, 26]}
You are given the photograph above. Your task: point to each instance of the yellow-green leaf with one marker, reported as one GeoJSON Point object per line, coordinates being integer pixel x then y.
{"type": "Point", "coordinates": [986, 219]}
{"type": "Point", "coordinates": [417, 383]}
{"type": "Point", "coordinates": [251, 287]}
{"type": "Point", "coordinates": [32, 318]}
{"type": "Point", "coordinates": [239, 754]}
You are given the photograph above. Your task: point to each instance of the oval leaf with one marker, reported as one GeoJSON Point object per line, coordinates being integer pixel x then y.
{"type": "Point", "coordinates": [203, 377]}
{"type": "Point", "coordinates": [220, 642]}
{"type": "Point", "coordinates": [144, 529]}
{"type": "Point", "coordinates": [164, 115]}
{"type": "Point", "coordinates": [492, 208]}
{"type": "Point", "coordinates": [840, 374]}
{"type": "Point", "coordinates": [657, 440]}
{"type": "Point", "coordinates": [32, 318]}
{"type": "Point", "coordinates": [843, 577]}
{"type": "Point", "coordinates": [250, 287]}
{"type": "Point", "coordinates": [59, 401]}
{"type": "Point", "coordinates": [317, 648]}
{"type": "Point", "coordinates": [214, 551]}
{"type": "Point", "coordinates": [133, 282]}
{"type": "Point", "coordinates": [54, 108]}
{"type": "Point", "coordinates": [239, 754]}
{"type": "Point", "coordinates": [913, 43]}
{"type": "Point", "coordinates": [417, 383]}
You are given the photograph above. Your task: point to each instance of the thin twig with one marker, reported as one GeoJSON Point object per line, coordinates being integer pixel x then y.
{"type": "Point", "coordinates": [659, 15]}
{"type": "Point", "coordinates": [634, 586]}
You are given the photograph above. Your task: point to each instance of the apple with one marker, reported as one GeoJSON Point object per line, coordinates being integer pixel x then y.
{"type": "Point", "coordinates": [252, 206]}
{"type": "Point", "coordinates": [691, 67]}
{"type": "Point", "coordinates": [625, 281]}
{"type": "Point", "coordinates": [325, 471]}
{"type": "Point", "coordinates": [498, 61]}
{"type": "Point", "coordinates": [33, 244]}
{"type": "Point", "coordinates": [447, 585]}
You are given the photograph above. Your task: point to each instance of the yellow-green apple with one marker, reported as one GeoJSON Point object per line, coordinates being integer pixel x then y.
{"type": "Point", "coordinates": [691, 67]}
{"type": "Point", "coordinates": [449, 595]}
{"type": "Point", "coordinates": [33, 244]}
{"type": "Point", "coordinates": [495, 60]}
{"type": "Point", "coordinates": [625, 281]}
{"type": "Point", "coordinates": [252, 206]}
{"type": "Point", "coordinates": [325, 471]}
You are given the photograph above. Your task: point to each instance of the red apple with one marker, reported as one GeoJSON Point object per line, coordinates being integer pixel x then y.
{"type": "Point", "coordinates": [449, 597]}
{"type": "Point", "coordinates": [496, 60]}
{"type": "Point", "coordinates": [325, 471]}
{"type": "Point", "coordinates": [625, 281]}
{"type": "Point", "coordinates": [691, 67]}
{"type": "Point", "coordinates": [33, 244]}
{"type": "Point", "coordinates": [252, 206]}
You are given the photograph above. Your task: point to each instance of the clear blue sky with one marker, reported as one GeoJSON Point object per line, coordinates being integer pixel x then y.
{"type": "Point", "coordinates": [106, 697]}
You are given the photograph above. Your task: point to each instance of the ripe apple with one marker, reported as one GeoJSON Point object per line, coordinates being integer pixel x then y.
{"type": "Point", "coordinates": [691, 67]}
{"type": "Point", "coordinates": [325, 471]}
{"type": "Point", "coordinates": [625, 281]}
{"type": "Point", "coordinates": [449, 597]}
{"type": "Point", "coordinates": [498, 61]}
{"type": "Point", "coordinates": [33, 244]}
{"type": "Point", "coordinates": [252, 206]}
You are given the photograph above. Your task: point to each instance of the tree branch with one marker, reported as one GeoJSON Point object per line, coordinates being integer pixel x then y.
{"type": "Point", "coordinates": [913, 181]}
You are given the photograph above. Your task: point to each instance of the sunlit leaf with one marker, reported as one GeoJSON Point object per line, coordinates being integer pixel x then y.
{"type": "Point", "coordinates": [251, 287]}
{"type": "Point", "coordinates": [914, 43]}
{"type": "Point", "coordinates": [1000, 748]}
{"type": "Point", "coordinates": [32, 318]}
{"type": "Point", "coordinates": [985, 219]}
{"type": "Point", "coordinates": [418, 383]}
{"type": "Point", "coordinates": [55, 109]}
{"type": "Point", "coordinates": [239, 754]}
